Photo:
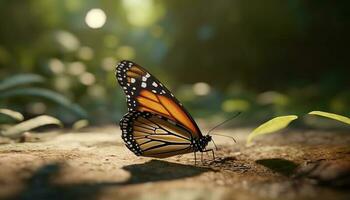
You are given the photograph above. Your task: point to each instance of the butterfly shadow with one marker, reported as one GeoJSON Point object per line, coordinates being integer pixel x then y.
{"type": "Point", "coordinates": [41, 184]}
{"type": "Point", "coordinates": [279, 165]}
{"type": "Point", "coordinates": [160, 170]}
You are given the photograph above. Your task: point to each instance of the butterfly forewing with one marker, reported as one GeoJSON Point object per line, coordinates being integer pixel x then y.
{"type": "Point", "coordinates": [144, 93]}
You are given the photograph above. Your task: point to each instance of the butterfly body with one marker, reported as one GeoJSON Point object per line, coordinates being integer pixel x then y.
{"type": "Point", "coordinates": [156, 125]}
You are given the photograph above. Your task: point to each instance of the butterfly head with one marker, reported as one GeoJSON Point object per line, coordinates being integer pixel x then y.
{"type": "Point", "coordinates": [207, 138]}
{"type": "Point", "coordinates": [201, 143]}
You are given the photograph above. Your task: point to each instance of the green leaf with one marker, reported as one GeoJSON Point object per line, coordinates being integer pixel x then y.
{"type": "Point", "coordinates": [11, 113]}
{"type": "Point", "coordinates": [271, 126]}
{"type": "Point", "coordinates": [331, 116]}
{"type": "Point", "coordinates": [20, 79]}
{"type": "Point", "coordinates": [48, 94]}
{"type": "Point", "coordinates": [18, 129]}
{"type": "Point", "coordinates": [80, 124]}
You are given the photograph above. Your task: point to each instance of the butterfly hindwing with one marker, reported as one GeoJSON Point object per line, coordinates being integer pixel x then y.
{"type": "Point", "coordinates": [144, 93]}
{"type": "Point", "coordinates": [153, 135]}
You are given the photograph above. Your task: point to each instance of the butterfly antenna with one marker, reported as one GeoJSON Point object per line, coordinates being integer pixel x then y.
{"type": "Point", "coordinates": [223, 122]}
{"type": "Point", "coordinates": [226, 136]}
{"type": "Point", "coordinates": [216, 147]}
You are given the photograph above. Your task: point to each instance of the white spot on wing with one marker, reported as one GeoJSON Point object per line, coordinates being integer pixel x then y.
{"type": "Point", "coordinates": [143, 84]}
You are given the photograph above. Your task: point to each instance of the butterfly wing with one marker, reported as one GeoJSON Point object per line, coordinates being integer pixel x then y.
{"type": "Point", "coordinates": [153, 135]}
{"type": "Point", "coordinates": [145, 93]}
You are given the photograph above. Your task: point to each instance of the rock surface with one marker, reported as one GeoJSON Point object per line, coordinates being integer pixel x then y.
{"type": "Point", "coordinates": [94, 164]}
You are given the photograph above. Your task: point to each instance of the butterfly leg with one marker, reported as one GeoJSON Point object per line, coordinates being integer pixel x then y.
{"type": "Point", "coordinates": [195, 158]}
{"type": "Point", "coordinates": [202, 157]}
{"type": "Point", "coordinates": [212, 151]}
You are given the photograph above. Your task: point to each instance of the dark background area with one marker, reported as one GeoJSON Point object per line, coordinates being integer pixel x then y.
{"type": "Point", "coordinates": [265, 58]}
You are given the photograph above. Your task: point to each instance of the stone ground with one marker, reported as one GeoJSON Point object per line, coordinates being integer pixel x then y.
{"type": "Point", "coordinates": [94, 164]}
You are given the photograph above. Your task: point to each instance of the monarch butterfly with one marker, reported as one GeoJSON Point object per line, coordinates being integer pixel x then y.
{"type": "Point", "coordinates": [156, 124]}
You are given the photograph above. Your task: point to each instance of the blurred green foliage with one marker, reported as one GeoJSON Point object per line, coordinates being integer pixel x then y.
{"type": "Point", "coordinates": [264, 58]}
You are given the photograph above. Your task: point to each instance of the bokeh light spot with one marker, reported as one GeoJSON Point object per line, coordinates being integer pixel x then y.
{"type": "Point", "coordinates": [97, 91]}
{"type": "Point", "coordinates": [95, 18]}
{"type": "Point", "coordinates": [76, 68]}
{"type": "Point", "coordinates": [272, 97]}
{"type": "Point", "coordinates": [85, 53]}
{"type": "Point", "coordinates": [62, 83]}
{"type": "Point", "coordinates": [87, 78]}
{"type": "Point", "coordinates": [235, 105]}
{"type": "Point", "coordinates": [73, 6]}
{"type": "Point", "coordinates": [67, 41]}
{"type": "Point", "coordinates": [201, 88]}
{"type": "Point", "coordinates": [109, 63]}
{"type": "Point", "coordinates": [141, 13]}
{"type": "Point", "coordinates": [56, 66]}
{"type": "Point", "coordinates": [36, 108]}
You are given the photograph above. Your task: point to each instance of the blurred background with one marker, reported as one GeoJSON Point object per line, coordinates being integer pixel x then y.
{"type": "Point", "coordinates": [264, 58]}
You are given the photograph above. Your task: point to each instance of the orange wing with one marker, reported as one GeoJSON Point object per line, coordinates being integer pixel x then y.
{"type": "Point", "coordinates": [145, 93]}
